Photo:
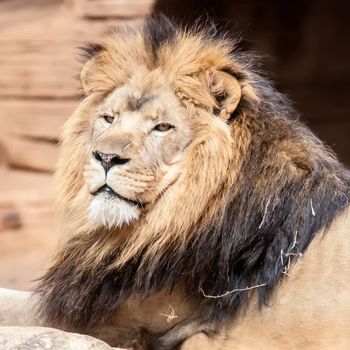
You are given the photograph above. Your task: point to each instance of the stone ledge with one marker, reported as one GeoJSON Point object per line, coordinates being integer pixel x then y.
{"type": "Point", "coordinates": [42, 338]}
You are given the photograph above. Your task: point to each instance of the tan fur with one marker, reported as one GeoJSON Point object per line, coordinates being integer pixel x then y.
{"type": "Point", "coordinates": [311, 309]}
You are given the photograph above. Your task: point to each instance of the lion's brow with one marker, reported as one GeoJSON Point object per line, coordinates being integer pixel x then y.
{"type": "Point", "coordinates": [135, 104]}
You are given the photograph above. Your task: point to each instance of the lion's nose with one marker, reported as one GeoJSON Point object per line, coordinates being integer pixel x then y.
{"type": "Point", "coordinates": [109, 160]}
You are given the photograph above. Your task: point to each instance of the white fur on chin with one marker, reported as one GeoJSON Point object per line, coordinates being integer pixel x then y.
{"type": "Point", "coordinates": [112, 212]}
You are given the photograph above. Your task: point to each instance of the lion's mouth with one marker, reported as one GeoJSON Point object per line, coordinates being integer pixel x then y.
{"type": "Point", "coordinates": [112, 194]}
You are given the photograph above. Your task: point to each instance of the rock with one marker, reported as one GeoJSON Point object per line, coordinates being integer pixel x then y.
{"type": "Point", "coordinates": [9, 218]}
{"type": "Point", "coordinates": [30, 130]}
{"type": "Point", "coordinates": [115, 8]}
{"type": "Point", "coordinates": [20, 328]}
{"type": "Point", "coordinates": [17, 308]}
{"type": "Point", "coordinates": [33, 154]}
{"type": "Point", "coordinates": [35, 119]}
{"type": "Point", "coordinates": [42, 338]}
{"type": "Point", "coordinates": [25, 252]}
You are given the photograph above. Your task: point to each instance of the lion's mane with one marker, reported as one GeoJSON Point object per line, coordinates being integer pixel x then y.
{"type": "Point", "coordinates": [244, 197]}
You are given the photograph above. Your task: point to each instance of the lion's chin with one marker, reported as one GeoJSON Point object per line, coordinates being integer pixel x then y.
{"type": "Point", "coordinates": [111, 211]}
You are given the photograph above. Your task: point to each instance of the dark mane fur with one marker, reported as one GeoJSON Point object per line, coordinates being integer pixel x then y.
{"type": "Point", "coordinates": [269, 213]}
{"type": "Point", "coordinates": [159, 30]}
{"type": "Point", "coordinates": [89, 51]}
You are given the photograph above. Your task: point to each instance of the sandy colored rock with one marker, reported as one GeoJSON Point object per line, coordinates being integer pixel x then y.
{"type": "Point", "coordinates": [25, 252]}
{"type": "Point", "coordinates": [17, 308]}
{"type": "Point", "coordinates": [114, 8]}
{"type": "Point", "coordinates": [9, 217]}
{"type": "Point", "coordinates": [42, 338]}
{"type": "Point", "coordinates": [42, 120]}
{"type": "Point", "coordinates": [31, 154]}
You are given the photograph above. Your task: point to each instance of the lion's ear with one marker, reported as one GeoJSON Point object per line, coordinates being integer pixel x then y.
{"type": "Point", "coordinates": [89, 53]}
{"type": "Point", "coordinates": [226, 91]}
{"type": "Point", "coordinates": [85, 76]}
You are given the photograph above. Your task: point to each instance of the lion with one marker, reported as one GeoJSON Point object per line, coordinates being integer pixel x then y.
{"type": "Point", "coordinates": [197, 210]}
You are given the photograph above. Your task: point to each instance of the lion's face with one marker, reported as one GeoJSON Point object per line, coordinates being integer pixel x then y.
{"type": "Point", "coordinates": [137, 140]}
{"type": "Point", "coordinates": [153, 135]}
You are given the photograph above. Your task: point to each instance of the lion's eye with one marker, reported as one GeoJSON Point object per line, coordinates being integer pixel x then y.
{"type": "Point", "coordinates": [108, 118]}
{"type": "Point", "coordinates": [163, 127]}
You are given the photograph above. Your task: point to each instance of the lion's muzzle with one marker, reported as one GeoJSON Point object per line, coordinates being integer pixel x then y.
{"type": "Point", "coordinates": [109, 160]}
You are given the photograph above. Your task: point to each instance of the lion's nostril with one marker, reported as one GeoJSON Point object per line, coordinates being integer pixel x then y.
{"type": "Point", "coordinates": [109, 160]}
{"type": "Point", "coordinates": [97, 156]}
{"type": "Point", "coordinates": [119, 161]}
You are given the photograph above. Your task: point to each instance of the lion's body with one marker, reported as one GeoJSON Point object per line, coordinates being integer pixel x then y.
{"type": "Point", "coordinates": [193, 200]}
{"type": "Point", "coordinates": [310, 310]}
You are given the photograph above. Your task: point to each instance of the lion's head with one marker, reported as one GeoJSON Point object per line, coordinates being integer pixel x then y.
{"type": "Point", "coordinates": [154, 132]}
{"type": "Point", "coordinates": [182, 164]}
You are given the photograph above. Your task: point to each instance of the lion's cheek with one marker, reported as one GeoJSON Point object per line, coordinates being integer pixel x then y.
{"type": "Point", "coordinates": [133, 184]}
{"type": "Point", "coordinates": [94, 176]}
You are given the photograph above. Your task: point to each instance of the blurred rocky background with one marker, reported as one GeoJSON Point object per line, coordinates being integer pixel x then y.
{"type": "Point", "coordinates": [305, 50]}
{"type": "Point", "coordinates": [39, 66]}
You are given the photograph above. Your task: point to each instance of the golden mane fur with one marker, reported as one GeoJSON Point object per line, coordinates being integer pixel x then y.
{"type": "Point", "coordinates": [253, 184]}
{"type": "Point", "coordinates": [189, 64]}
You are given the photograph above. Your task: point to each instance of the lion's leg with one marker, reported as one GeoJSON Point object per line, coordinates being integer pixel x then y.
{"type": "Point", "coordinates": [176, 336]}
